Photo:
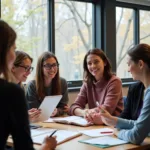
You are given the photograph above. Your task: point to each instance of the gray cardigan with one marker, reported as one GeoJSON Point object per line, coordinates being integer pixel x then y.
{"type": "Point", "coordinates": [136, 131]}
{"type": "Point", "coordinates": [34, 101]}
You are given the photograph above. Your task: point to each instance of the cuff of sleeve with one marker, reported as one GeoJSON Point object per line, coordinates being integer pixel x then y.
{"type": "Point", "coordinates": [73, 109]}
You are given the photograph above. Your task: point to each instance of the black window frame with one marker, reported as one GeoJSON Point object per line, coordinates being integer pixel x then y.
{"type": "Point", "coordinates": [104, 29]}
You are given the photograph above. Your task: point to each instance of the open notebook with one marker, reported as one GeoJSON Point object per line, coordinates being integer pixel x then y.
{"type": "Point", "coordinates": [74, 120]}
{"type": "Point", "coordinates": [61, 135]}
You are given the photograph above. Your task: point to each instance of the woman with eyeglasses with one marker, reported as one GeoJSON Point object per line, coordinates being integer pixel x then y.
{"type": "Point", "coordinates": [14, 116]}
{"type": "Point", "coordinates": [21, 70]}
{"type": "Point", "coordinates": [47, 82]}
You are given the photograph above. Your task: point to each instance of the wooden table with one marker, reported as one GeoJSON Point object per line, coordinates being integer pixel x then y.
{"type": "Point", "coordinates": [75, 145]}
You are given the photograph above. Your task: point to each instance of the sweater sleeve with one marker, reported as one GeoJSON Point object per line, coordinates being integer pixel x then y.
{"type": "Point", "coordinates": [31, 95]}
{"type": "Point", "coordinates": [64, 101]}
{"type": "Point", "coordinates": [81, 100]}
{"type": "Point", "coordinates": [138, 129]}
{"type": "Point", "coordinates": [113, 99]}
{"type": "Point", "coordinates": [19, 121]}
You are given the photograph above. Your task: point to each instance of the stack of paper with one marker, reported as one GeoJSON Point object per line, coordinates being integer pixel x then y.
{"type": "Point", "coordinates": [61, 136]}
{"type": "Point", "coordinates": [104, 142]}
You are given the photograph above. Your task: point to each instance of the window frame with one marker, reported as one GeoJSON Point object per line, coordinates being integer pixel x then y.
{"type": "Point", "coordinates": [103, 30]}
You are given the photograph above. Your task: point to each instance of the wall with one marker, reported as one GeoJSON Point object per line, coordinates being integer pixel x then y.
{"type": "Point", "coordinates": [73, 95]}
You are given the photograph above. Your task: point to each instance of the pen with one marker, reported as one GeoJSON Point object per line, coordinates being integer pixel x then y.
{"type": "Point", "coordinates": [52, 133]}
{"type": "Point", "coordinates": [98, 105]}
{"type": "Point", "coordinates": [106, 132]}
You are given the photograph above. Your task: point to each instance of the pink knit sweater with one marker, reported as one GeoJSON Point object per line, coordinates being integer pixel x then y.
{"type": "Point", "coordinates": [107, 93]}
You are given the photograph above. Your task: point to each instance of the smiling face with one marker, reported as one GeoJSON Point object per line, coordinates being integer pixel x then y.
{"type": "Point", "coordinates": [19, 71]}
{"type": "Point", "coordinates": [95, 66]}
{"type": "Point", "coordinates": [134, 68]}
{"type": "Point", "coordinates": [50, 68]}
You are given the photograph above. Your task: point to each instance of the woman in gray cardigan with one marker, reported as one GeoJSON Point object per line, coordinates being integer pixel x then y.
{"type": "Point", "coordinates": [47, 82]}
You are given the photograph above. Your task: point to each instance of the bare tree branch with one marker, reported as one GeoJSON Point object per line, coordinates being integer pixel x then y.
{"type": "Point", "coordinates": [125, 37]}
{"type": "Point", "coordinates": [30, 15]}
{"type": "Point", "coordinates": [119, 22]}
{"type": "Point", "coordinates": [120, 60]}
{"type": "Point", "coordinates": [64, 23]}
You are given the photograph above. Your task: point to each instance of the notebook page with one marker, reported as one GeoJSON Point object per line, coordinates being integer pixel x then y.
{"type": "Point", "coordinates": [61, 136]}
{"type": "Point", "coordinates": [97, 132]}
{"type": "Point", "coordinates": [39, 131]}
{"type": "Point", "coordinates": [68, 119]}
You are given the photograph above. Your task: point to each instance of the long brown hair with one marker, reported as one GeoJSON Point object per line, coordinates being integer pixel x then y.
{"type": "Point", "coordinates": [7, 39]}
{"type": "Point", "coordinates": [56, 88]}
{"type": "Point", "coordinates": [87, 76]}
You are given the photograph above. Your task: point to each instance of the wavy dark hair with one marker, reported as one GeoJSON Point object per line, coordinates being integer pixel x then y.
{"type": "Point", "coordinates": [140, 52]}
{"type": "Point", "coordinates": [56, 88]}
{"type": "Point", "coordinates": [87, 76]}
{"type": "Point", "coordinates": [7, 39]}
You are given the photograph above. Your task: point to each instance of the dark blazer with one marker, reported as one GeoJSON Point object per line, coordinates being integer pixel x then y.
{"type": "Point", "coordinates": [14, 117]}
{"type": "Point", "coordinates": [134, 101]}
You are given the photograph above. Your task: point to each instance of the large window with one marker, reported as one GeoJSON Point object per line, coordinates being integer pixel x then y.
{"type": "Point", "coordinates": [73, 36]}
{"type": "Point", "coordinates": [29, 19]}
{"type": "Point", "coordinates": [124, 39]}
{"type": "Point", "coordinates": [144, 26]}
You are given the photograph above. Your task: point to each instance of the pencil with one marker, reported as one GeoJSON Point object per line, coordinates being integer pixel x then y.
{"type": "Point", "coordinates": [52, 133]}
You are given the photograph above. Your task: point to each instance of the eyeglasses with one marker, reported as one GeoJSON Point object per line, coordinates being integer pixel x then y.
{"type": "Point", "coordinates": [50, 66]}
{"type": "Point", "coordinates": [26, 68]}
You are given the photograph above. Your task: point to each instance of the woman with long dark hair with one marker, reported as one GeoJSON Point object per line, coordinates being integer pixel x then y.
{"type": "Point", "coordinates": [14, 116]}
{"type": "Point", "coordinates": [100, 87]}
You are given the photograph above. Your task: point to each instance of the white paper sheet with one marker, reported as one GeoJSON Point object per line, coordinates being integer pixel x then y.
{"type": "Point", "coordinates": [97, 132]}
{"type": "Point", "coordinates": [61, 135]}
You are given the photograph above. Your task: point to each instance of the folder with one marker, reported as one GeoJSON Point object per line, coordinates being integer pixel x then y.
{"type": "Point", "coordinates": [104, 142]}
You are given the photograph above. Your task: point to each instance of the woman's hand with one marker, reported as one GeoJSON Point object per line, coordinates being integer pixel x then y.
{"type": "Point", "coordinates": [66, 108]}
{"type": "Point", "coordinates": [34, 114]}
{"type": "Point", "coordinates": [107, 118]}
{"type": "Point", "coordinates": [49, 143]}
{"type": "Point", "coordinates": [93, 116]}
{"type": "Point", "coordinates": [54, 112]}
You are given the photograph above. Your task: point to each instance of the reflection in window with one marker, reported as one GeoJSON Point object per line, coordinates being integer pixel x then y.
{"type": "Point", "coordinates": [73, 29]}
{"type": "Point", "coordinates": [144, 26]}
{"type": "Point", "coordinates": [29, 19]}
{"type": "Point", "coordinates": [124, 35]}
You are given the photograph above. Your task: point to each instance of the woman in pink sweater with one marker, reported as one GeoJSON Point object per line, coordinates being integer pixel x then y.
{"type": "Point", "coordinates": [100, 86]}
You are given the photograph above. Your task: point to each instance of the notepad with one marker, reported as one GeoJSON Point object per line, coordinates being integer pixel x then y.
{"type": "Point", "coordinates": [98, 132]}
{"type": "Point", "coordinates": [104, 142]}
{"type": "Point", "coordinates": [74, 120]}
{"type": "Point", "coordinates": [61, 136]}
